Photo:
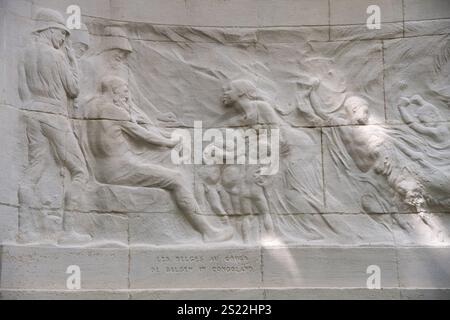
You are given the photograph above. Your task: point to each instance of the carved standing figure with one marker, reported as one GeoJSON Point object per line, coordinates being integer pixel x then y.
{"type": "Point", "coordinates": [49, 83]}
{"type": "Point", "coordinates": [243, 182]}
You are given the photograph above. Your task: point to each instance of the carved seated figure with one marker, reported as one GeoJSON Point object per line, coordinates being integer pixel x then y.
{"type": "Point", "coordinates": [109, 137]}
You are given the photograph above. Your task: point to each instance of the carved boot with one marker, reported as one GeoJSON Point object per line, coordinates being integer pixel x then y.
{"type": "Point", "coordinates": [217, 235]}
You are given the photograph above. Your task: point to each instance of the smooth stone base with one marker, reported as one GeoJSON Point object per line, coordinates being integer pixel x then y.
{"type": "Point", "coordinates": [231, 294]}
{"type": "Point", "coordinates": [217, 272]}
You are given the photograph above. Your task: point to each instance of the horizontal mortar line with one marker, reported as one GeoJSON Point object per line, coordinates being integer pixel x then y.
{"type": "Point", "coordinates": [252, 26]}
{"type": "Point", "coordinates": [428, 19]}
{"type": "Point", "coordinates": [222, 26]}
{"type": "Point", "coordinates": [382, 38]}
{"type": "Point", "coordinates": [364, 24]}
{"type": "Point", "coordinates": [10, 106]}
{"type": "Point", "coordinates": [9, 205]}
{"type": "Point", "coordinates": [168, 125]}
{"type": "Point", "coordinates": [237, 215]}
{"type": "Point", "coordinates": [244, 126]}
{"type": "Point", "coordinates": [215, 289]}
{"type": "Point", "coordinates": [425, 35]}
{"type": "Point", "coordinates": [202, 26]}
{"type": "Point", "coordinates": [259, 41]}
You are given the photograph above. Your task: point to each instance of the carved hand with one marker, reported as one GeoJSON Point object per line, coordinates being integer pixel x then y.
{"type": "Point", "coordinates": [417, 99]}
{"type": "Point", "coordinates": [404, 102]}
{"type": "Point", "coordinates": [172, 143]}
{"type": "Point", "coordinates": [315, 83]}
{"type": "Point", "coordinates": [167, 117]}
{"type": "Point", "coordinates": [70, 53]}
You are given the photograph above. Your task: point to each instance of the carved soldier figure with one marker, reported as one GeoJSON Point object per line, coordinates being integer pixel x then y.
{"type": "Point", "coordinates": [49, 82]}
{"type": "Point", "coordinates": [110, 58]}
{"type": "Point", "coordinates": [114, 163]}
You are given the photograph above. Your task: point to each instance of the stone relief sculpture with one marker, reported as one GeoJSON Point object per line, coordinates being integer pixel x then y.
{"type": "Point", "coordinates": [433, 172]}
{"type": "Point", "coordinates": [87, 111]}
{"type": "Point", "coordinates": [370, 149]}
{"type": "Point", "coordinates": [115, 165]}
{"type": "Point", "coordinates": [49, 84]}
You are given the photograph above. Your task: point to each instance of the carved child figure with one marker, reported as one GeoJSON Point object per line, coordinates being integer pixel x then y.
{"type": "Point", "coordinates": [209, 188]}
{"type": "Point", "coordinates": [429, 118]}
{"type": "Point", "coordinates": [245, 183]}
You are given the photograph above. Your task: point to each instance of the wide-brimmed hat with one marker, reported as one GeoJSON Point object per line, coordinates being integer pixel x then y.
{"type": "Point", "coordinates": [47, 19]}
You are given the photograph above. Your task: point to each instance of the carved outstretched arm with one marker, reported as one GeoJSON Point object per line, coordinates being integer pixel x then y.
{"type": "Point", "coordinates": [414, 155]}
{"type": "Point", "coordinates": [407, 118]}
{"type": "Point", "coordinates": [316, 116]}
{"type": "Point", "coordinates": [24, 92]}
{"type": "Point", "coordinates": [417, 99]}
{"type": "Point", "coordinates": [136, 131]}
{"type": "Point", "coordinates": [423, 129]}
{"type": "Point", "coordinates": [139, 116]}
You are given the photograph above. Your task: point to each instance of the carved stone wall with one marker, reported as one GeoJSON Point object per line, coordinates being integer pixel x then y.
{"type": "Point", "coordinates": [87, 122]}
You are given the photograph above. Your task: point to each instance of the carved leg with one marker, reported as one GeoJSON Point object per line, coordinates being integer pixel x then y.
{"type": "Point", "coordinates": [186, 202]}
{"type": "Point", "coordinates": [262, 207]}
{"type": "Point", "coordinates": [66, 147]}
{"type": "Point", "coordinates": [37, 151]}
{"type": "Point", "coordinates": [155, 176]}
{"type": "Point", "coordinates": [213, 197]}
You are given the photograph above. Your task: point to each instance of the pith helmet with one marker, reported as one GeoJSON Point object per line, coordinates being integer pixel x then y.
{"type": "Point", "coordinates": [115, 38]}
{"type": "Point", "coordinates": [81, 35]}
{"type": "Point", "coordinates": [48, 18]}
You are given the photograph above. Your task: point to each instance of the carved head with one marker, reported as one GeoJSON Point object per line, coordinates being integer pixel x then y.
{"type": "Point", "coordinates": [238, 89]}
{"type": "Point", "coordinates": [51, 24]}
{"type": "Point", "coordinates": [117, 89]}
{"type": "Point", "coordinates": [115, 57]}
{"type": "Point", "coordinates": [357, 110]}
{"type": "Point", "coordinates": [411, 191]}
{"type": "Point", "coordinates": [80, 41]}
{"type": "Point", "coordinates": [115, 46]}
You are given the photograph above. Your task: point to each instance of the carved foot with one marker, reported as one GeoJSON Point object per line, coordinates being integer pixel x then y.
{"type": "Point", "coordinates": [74, 238]}
{"type": "Point", "coordinates": [219, 235]}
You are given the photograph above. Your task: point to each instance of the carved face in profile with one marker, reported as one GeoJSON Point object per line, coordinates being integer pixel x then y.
{"type": "Point", "coordinates": [357, 110]}
{"type": "Point", "coordinates": [361, 114]}
{"type": "Point", "coordinates": [411, 192]}
{"type": "Point", "coordinates": [58, 37]}
{"type": "Point", "coordinates": [237, 90]}
{"type": "Point", "coordinates": [230, 95]}
{"type": "Point", "coordinates": [116, 57]}
{"type": "Point", "coordinates": [80, 49]}
{"type": "Point", "coordinates": [121, 95]}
